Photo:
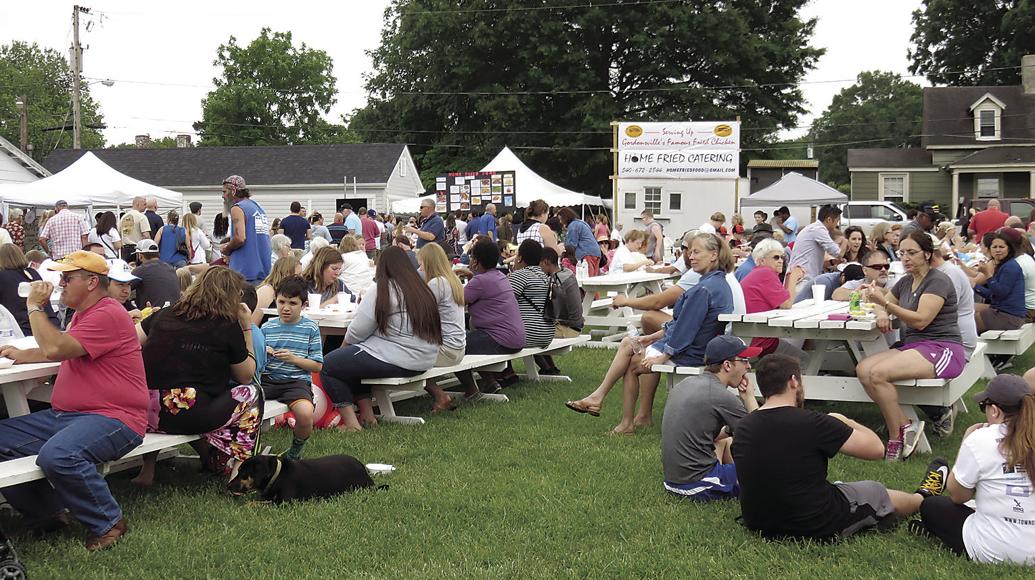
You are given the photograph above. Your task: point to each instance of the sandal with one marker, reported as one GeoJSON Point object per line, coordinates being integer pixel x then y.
{"type": "Point", "coordinates": [580, 407]}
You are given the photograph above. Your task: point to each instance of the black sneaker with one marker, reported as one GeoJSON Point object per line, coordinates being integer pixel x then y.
{"type": "Point", "coordinates": [917, 528]}
{"type": "Point", "coordinates": [936, 478]}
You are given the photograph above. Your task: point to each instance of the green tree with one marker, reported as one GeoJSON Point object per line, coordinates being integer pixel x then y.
{"type": "Point", "coordinates": [43, 76]}
{"type": "Point", "coordinates": [879, 110]}
{"type": "Point", "coordinates": [167, 142]}
{"type": "Point", "coordinates": [459, 85]}
{"type": "Point", "coordinates": [270, 93]}
{"type": "Point", "coordinates": [963, 42]}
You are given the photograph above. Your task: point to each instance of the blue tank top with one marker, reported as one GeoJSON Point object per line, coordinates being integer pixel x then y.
{"type": "Point", "coordinates": [252, 260]}
{"type": "Point", "coordinates": [172, 236]}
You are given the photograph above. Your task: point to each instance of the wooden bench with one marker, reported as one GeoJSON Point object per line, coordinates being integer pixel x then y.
{"type": "Point", "coordinates": [386, 391]}
{"type": "Point", "coordinates": [1006, 342]}
{"type": "Point", "coordinates": [24, 469]}
{"type": "Point", "coordinates": [933, 392]}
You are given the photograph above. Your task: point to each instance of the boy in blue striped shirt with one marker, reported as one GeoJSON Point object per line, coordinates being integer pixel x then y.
{"type": "Point", "coordinates": [294, 351]}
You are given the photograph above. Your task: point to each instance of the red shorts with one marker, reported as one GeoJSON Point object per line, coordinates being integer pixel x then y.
{"type": "Point", "coordinates": [948, 358]}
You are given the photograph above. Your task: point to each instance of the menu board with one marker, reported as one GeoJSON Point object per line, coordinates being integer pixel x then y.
{"type": "Point", "coordinates": [475, 189]}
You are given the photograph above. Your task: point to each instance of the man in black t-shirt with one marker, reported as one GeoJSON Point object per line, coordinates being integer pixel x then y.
{"type": "Point", "coordinates": [296, 227]}
{"type": "Point", "coordinates": [781, 453]}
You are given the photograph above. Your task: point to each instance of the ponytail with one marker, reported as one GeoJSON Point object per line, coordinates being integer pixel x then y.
{"type": "Point", "coordinates": [1019, 444]}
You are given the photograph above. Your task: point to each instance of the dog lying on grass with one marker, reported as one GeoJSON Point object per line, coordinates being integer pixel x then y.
{"type": "Point", "coordinates": [278, 479]}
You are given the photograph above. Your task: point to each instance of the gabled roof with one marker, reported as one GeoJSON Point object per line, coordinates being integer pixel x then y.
{"type": "Point", "coordinates": [783, 164]}
{"type": "Point", "coordinates": [275, 165]}
{"type": "Point", "coordinates": [998, 156]}
{"type": "Point", "coordinates": [988, 97]}
{"type": "Point", "coordinates": [30, 165]}
{"type": "Point", "coordinates": [949, 120]}
{"type": "Point", "coordinates": [880, 158]}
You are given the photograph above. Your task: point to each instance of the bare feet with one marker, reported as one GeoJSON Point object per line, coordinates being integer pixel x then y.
{"type": "Point", "coordinates": [623, 429]}
{"type": "Point", "coordinates": [643, 422]}
{"type": "Point", "coordinates": [349, 428]}
{"type": "Point", "coordinates": [349, 422]}
{"type": "Point", "coordinates": [442, 405]}
{"type": "Point", "coordinates": [143, 479]}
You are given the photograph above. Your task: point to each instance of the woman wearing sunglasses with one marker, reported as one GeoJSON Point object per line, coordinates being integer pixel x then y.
{"type": "Point", "coordinates": [763, 291]}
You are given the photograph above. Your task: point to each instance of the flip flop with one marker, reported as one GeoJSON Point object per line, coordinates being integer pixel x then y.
{"type": "Point", "coordinates": [579, 407]}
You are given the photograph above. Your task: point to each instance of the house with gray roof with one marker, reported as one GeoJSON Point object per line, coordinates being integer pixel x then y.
{"type": "Point", "coordinates": [16, 166]}
{"type": "Point", "coordinates": [320, 177]}
{"type": "Point", "coordinates": [978, 143]}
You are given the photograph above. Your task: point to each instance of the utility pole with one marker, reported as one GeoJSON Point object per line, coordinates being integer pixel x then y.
{"type": "Point", "coordinates": [23, 123]}
{"type": "Point", "coordinates": [77, 69]}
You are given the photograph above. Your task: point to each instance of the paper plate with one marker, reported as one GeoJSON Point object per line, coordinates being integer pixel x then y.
{"type": "Point", "coordinates": [380, 468]}
{"type": "Point", "coordinates": [6, 363]}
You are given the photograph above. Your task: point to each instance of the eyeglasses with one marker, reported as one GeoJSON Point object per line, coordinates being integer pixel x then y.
{"type": "Point", "coordinates": [777, 257]}
{"type": "Point", "coordinates": [746, 361]}
{"type": "Point", "coordinates": [909, 253]}
{"type": "Point", "coordinates": [884, 266]}
{"type": "Point", "coordinates": [69, 276]}
{"type": "Point", "coordinates": [984, 405]}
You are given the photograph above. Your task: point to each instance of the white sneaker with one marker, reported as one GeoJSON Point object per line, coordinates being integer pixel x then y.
{"type": "Point", "coordinates": [910, 435]}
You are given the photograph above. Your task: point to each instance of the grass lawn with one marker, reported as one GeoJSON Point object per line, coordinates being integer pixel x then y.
{"type": "Point", "coordinates": [525, 489]}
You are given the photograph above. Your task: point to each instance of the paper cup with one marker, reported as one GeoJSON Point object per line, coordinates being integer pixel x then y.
{"type": "Point", "coordinates": [314, 301]}
{"type": "Point", "coordinates": [818, 293]}
{"type": "Point", "coordinates": [344, 298]}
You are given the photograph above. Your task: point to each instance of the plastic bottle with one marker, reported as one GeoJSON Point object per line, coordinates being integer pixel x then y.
{"type": "Point", "coordinates": [582, 270]}
{"type": "Point", "coordinates": [855, 303]}
{"type": "Point", "coordinates": [634, 333]}
{"type": "Point", "coordinates": [24, 288]}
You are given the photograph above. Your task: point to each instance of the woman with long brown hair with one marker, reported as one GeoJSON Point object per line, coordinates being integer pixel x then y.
{"type": "Point", "coordinates": [200, 366]}
{"type": "Point", "coordinates": [396, 333]}
{"type": "Point", "coordinates": [995, 467]}
{"type": "Point", "coordinates": [284, 268]}
{"type": "Point", "coordinates": [322, 275]}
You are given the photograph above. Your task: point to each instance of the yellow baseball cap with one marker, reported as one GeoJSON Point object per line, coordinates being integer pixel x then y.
{"type": "Point", "coordinates": [81, 260]}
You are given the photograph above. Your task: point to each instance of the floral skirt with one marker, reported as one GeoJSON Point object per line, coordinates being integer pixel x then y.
{"type": "Point", "coordinates": [229, 421]}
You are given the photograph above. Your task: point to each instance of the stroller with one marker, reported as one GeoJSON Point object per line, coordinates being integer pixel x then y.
{"type": "Point", "coordinates": [10, 567]}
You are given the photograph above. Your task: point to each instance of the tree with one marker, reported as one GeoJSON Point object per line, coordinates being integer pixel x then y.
{"type": "Point", "coordinates": [962, 42]}
{"type": "Point", "coordinates": [460, 84]}
{"type": "Point", "coordinates": [43, 76]}
{"type": "Point", "coordinates": [167, 142]}
{"type": "Point", "coordinates": [879, 110]}
{"type": "Point", "coordinates": [271, 93]}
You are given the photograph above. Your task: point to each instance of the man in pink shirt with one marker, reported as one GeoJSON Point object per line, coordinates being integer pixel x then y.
{"type": "Point", "coordinates": [989, 220]}
{"type": "Point", "coordinates": [371, 232]}
{"type": "Point", "coordinates": [99, 404]}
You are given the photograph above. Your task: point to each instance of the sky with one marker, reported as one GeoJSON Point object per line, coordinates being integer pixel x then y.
{"type": "Point", "coordinates": [160, 58]}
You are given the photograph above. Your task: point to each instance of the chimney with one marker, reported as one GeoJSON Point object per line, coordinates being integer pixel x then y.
{"type": "Point", "coordinates": [1028, 74]}
{"type": "Point", "coordinates": [142, 141]}
{"type": "Point", "coordinates": [182, 141]}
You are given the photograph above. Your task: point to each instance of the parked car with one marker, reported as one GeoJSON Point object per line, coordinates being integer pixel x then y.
{"type": "Point", "coordinates": [866, 214]}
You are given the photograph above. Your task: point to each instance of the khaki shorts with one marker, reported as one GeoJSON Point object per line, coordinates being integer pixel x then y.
{"type": "Point", "coordinates": [448, 357]}
{"type": "Point", "coordinates": [561, 331]}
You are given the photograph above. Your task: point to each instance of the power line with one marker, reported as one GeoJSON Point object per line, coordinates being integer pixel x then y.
{"type": "Point", "coordinates": [405, 12]}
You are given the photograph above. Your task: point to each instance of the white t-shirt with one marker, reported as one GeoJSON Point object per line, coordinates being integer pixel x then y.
{"type": "Point", "coordinates": [1027, 264]}
{"type": "Point", "coordinates": [200, 243]}
{"type": "Point", "coordinates": [461, 227]}
{"type": "Point", "coordinates": [1002, 528]}
{"type": "Point", "coordinates": [356, 272]}
{"type": "Point", "coordinates": [107, 240]}
{"type": "Point", "coordinates": [623, 256]}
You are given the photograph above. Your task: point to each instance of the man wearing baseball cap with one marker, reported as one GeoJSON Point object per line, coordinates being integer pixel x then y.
{"type": "Point", "coordinates": [926, 217]}
{"type": "Point", "coordinates": [99, 404]}
{"type": "Point", "coordinates": [781, 451]}
{"type": "Point", "coordinates": [700, 418]}
{"type": "Point", "coordinates": [156, 281]}
{"type": "Point", "coordinates": [996, 467]}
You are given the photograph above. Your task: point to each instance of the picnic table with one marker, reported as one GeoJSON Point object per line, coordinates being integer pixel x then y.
{"type": "Point", "coordinates": [27, 381]}
{"type": "Point", "coordinates": [598, 312]}
{"type": "Point", "coordinates": [861, 339]}
{"type": "Point", "coordinates": [331, 322]}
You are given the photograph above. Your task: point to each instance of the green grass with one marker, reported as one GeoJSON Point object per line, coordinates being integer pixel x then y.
{"type": "Point", "coordinates": [525, 489]}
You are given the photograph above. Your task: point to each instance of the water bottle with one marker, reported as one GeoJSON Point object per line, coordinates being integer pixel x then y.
{"type": "Point", "coordinates": [855, 303]}
{"type": "Point", "coordinates": [582, 270]}
{"type": "Point", "coordinates": [24, 289]}
{"type": "Point", "coordinates": [634, 333]}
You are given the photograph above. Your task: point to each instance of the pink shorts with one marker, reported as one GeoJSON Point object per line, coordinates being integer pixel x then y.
{"type": "Point", "coordinates": [948, 358]}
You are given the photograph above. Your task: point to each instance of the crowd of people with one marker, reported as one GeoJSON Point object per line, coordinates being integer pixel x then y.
{"type": "Point", "coordinates": [165, 324]}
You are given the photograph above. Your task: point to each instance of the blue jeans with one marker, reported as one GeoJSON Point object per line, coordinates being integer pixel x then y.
{"type": "Point", "coordinates": [68, 446]}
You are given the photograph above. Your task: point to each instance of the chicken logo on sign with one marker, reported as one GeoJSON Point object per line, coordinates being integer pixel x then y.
{"type": "Point", "coordinates": [633, 131]}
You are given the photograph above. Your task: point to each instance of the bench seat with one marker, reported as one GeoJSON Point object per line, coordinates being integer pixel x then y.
{"type": "Point", "coordinates": [1009, 342]}
{"type": "Point", "coordinates": [24, 469]}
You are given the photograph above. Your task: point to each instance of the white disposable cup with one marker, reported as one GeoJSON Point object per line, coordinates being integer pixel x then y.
{"type": "Point", "coordinates": [314, 301]}
{"type": "Point", "coordinates": [818, 293]}
{"type": "Point", "coordinates": [344, 298]}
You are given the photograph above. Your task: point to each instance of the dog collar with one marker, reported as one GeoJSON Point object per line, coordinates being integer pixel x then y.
{"type": "Point", "coordinates": [276, 474]}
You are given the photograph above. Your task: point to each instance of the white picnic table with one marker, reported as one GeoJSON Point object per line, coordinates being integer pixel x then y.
{"type": "Point", "coordinates": [26, 381]}
{"type": "Point", "coordinates": [598, 311]}
{"type": "Point", "coordinates": [331, 322]}
{"type": "Point", "coordinates": [861, 338]}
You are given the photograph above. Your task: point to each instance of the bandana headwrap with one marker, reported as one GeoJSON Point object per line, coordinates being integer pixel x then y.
{"type": "Point", "coordinates": [236, 182]}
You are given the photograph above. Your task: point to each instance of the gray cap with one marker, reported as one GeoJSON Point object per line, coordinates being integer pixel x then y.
{"type": "Point", "coordinates": [1007, 391]}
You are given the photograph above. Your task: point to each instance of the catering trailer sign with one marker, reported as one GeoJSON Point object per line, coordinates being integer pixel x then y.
{"type": "Point", "coordinates": [688, 150]}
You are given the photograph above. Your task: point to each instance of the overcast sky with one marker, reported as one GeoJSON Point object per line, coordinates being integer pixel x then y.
{"type": "Point", "coordinates": [161, 57]}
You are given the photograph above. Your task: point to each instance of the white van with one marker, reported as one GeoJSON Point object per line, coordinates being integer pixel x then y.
{"type": "Point", "coordinates": [866, 214]}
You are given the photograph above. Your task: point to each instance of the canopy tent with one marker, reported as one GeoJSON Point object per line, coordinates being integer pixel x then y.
{"type": "Point", "coordinates": [531, 186]}
{"type": "Point", "coordinates": [410, 205]}
{"type": "Point", "coordinates": [88, 181]}
{"type": "Point", "coordinates": [794, 189]}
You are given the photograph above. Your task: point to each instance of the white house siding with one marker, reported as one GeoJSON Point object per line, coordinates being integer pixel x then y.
{"type": "Point", "coordinates": [404, 183]}
{"type": "Point", "coordinates": [12, 171]}
{"type": "Point", "coordinates": [700, 199]}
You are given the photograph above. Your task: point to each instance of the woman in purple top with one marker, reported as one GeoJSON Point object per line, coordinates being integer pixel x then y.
{"type": "Point", "coordinates": [495, 318]}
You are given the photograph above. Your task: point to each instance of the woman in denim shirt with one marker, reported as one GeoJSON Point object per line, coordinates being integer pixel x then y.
{"type": "Point", "coordinates": [682, 340]}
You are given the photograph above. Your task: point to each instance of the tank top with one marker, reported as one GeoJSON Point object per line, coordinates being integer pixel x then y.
{"type": "Point", "coordinates": [252, 260]}
{"type": "Point", "coordinates": [529, 230]}
{"type": "Point", "coordinates": [167, 249]}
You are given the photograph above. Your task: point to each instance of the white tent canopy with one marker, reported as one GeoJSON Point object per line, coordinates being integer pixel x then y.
{"type": "Point", "coordinates": [794, 189]}
{"type": "Point", "coordinates": [531, 186]}
{"type": "Point", "coordinates": [88, 181]}
{"type": "Point", "coordinates": [409, 205]}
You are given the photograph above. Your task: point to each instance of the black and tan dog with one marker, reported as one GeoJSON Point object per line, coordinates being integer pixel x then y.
{"type": "Point", "coordinates": [279, 480]}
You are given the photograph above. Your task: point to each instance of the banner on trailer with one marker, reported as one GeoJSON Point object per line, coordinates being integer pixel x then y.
{"type": "Point", "coordinates": [687, 150]}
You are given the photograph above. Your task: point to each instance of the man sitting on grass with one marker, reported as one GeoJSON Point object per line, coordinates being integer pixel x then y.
{"type": "Point", "coordinates": [700, 418]}
{"type": "Point", "coordinates": [781, 452]}
{"type": "Point", "coordinates": [295, 351]}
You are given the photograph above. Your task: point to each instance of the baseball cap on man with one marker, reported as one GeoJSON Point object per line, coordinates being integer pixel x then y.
{"type": "Point", "coordinates": [372, 213]}
{"type": "Point", "coordinates": [725, 347]}
{"type": "Point", "coordinates": [146, 246]}
{"type": "Point", "coordinates": [929, 208]}
{"type": "Point", "coordinates": [81, 260]}
{"type": "Point", "coordinates": [1006, 391]}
